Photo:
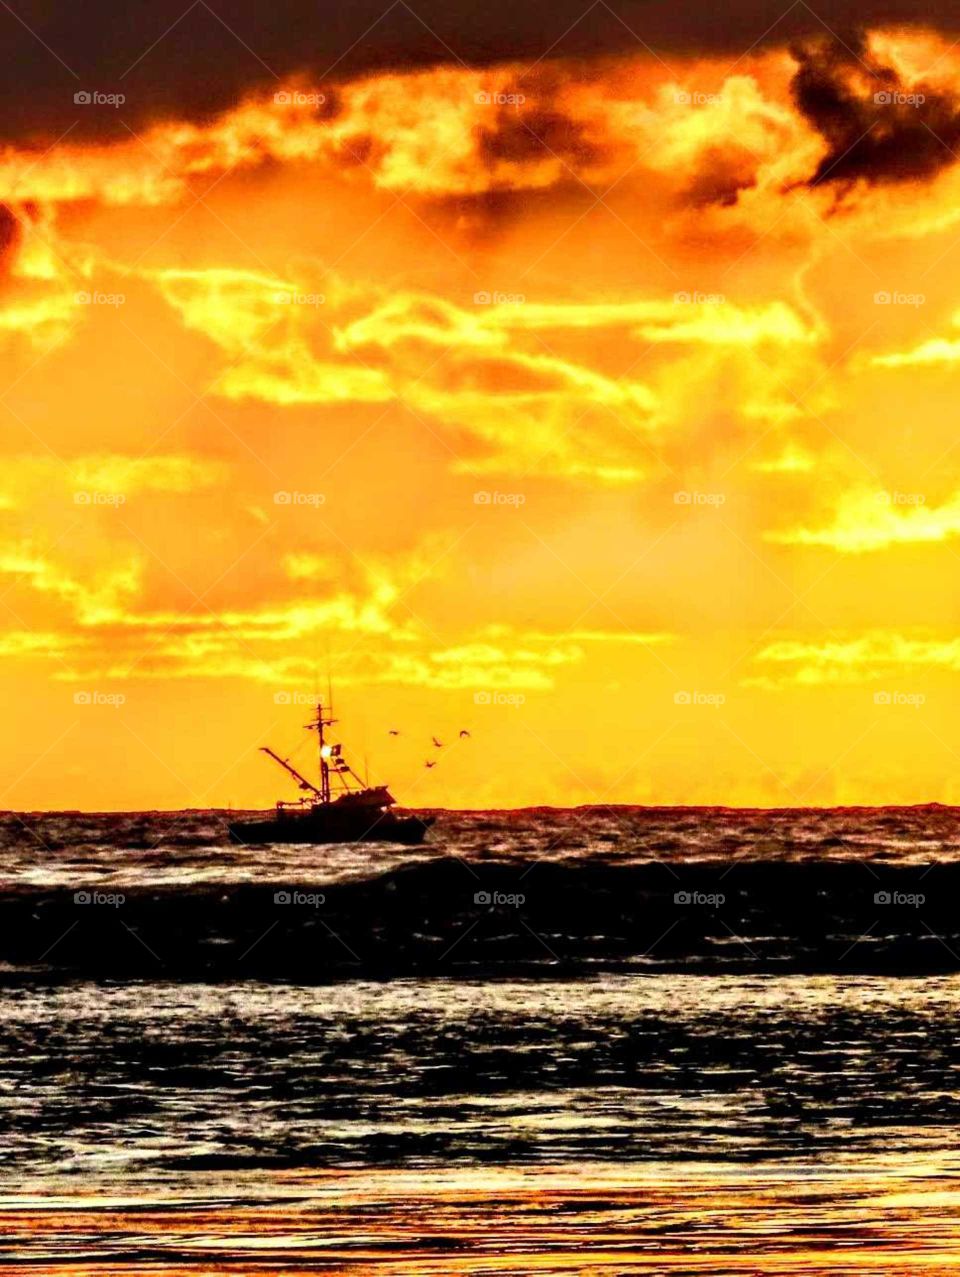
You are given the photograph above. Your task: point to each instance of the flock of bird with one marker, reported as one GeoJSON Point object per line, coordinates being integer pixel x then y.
{"type": "Point", "coordinates": [437, 744]}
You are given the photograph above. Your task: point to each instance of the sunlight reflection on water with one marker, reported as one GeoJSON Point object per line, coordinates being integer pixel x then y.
{"type": "Point", "coordinates": [884, 1218]}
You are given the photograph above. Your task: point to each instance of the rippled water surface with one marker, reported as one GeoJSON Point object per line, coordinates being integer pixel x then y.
{"type": "Point", "coordinates": [181, 847]}
{"type": "Point", "coordinates": [163, 1079]}
{"type": "Point", "coordinates": [452, 1116]}
{"type": "Point", "coordinates": [887, 1221]}
{"type": "Point", "coordinates": [628, 1124]}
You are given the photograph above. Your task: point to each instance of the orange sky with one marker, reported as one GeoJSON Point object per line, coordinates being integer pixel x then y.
{"type": "Point", "coordinates": [553, 403]}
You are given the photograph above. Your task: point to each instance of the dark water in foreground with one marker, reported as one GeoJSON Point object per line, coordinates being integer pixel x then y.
{"type": "Point", "coordinates": [550, 1095]}
{"type": "Point", "coordinates": [169, 1079]}
{"type": "Point", "coordinates": [496, 893]}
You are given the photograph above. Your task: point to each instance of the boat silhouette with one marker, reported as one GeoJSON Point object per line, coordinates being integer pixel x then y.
{"type": "Point", "coordinates": [357, 813]}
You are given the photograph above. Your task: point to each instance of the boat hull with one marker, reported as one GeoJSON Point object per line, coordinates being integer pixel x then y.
{"type": "Point", "coordinates": [332, 826]}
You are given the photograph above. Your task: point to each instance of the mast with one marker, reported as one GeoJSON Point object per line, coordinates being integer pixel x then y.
{"type": "Point", "coordinates": [323, 750]}
{"type": "Point", "coordinates": [341, 769]}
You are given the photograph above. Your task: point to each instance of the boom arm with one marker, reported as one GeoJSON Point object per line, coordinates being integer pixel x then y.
{"type": "Point", "coordinates": [301, 780]}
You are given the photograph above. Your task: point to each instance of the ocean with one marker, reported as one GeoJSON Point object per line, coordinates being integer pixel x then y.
{"type": "Point", "coordinates": [613, 1041]}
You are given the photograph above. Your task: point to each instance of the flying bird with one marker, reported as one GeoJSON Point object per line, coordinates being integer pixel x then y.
{"type": "Point", "coordinates": [393, 732]}
{"type": "Point", "coordinates": [430, 763]}
{"type": "Point", "coordinates": [463, 732]}
{"type": "Point", "coordinates": [438, 744]}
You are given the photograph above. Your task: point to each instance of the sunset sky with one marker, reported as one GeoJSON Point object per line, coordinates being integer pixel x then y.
{"type": "Point", "coordinates": [591, 392]}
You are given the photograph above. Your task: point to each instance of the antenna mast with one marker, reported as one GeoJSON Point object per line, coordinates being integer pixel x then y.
{"type": "Point", "coordinates": [323, 750]}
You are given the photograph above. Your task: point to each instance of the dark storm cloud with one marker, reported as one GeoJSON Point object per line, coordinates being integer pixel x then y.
{"type": "Point", "coordinates": [191, 58]}
{"type": "Point", "coordinates": [535, 135]}
{"type": "Point", "coordinates": [10, 233]}
{"type": "Point", "coordinates": [877, 127]}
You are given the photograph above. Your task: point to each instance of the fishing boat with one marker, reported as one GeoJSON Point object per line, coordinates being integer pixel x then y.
{"type": "Point", "coordinates": [342, 808]}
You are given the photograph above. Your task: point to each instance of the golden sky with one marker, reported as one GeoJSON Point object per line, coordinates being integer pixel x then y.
{"type": "Point", "coordinates": [603, 407]}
